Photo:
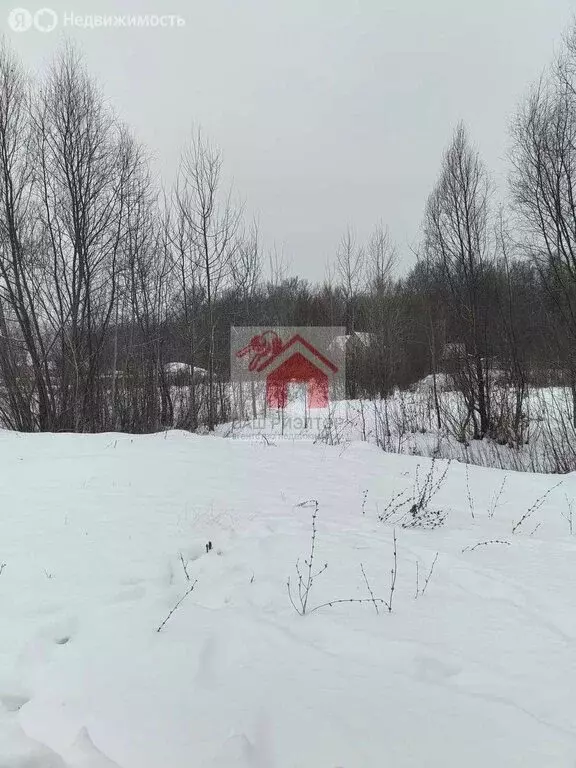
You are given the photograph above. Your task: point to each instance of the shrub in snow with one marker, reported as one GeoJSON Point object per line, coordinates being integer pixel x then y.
{"type": "Point", "coordinates": [421, 514]}
{"type": "Point", "coordinates": [299, 594]}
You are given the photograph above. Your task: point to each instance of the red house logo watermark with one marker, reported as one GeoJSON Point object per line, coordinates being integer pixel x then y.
{"type": "Point", "coordinates": [285, 356]}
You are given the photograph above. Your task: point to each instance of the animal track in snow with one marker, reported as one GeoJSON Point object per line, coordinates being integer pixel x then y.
{"type": "Point", "coordinates": [41, 645]}
{"type": "Point", "coordinates": [13, 702]}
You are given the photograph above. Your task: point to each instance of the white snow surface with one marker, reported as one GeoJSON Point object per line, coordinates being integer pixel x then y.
{"type": "Point", "coordinates": [95, 531]}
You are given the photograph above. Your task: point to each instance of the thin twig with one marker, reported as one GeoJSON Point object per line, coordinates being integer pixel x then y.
{"type": "Point", "coordinates": [570, 516]}
{"type": "Point", "coordinates": [369, 588]}
{"type": "Point", "coordinates": [396, 503]}
{"type": "Point", "coordinates": [304, 587]}
{"type": "Point", "coordinates": [537, 504]}
{"type": "Point", "coordinates": [178, 604]}
{"type": "Point", "coordinates": [536, 528]}
{"type": "Point", "coordinates": [470, 500]}
{"type": "Point", "coordinates": [430, 572]}
{"type": "Point", "coordinates": [485, 544]}
{"type": "Point", "coordinates": [393, 574]}
{"type": "Point", "coordinates": [496, 498]}
{"type": "Point", "coordinates": [347, 600]}
{"type": "Point", "coordinates": [289, 589]}
{"type": "Point", "coordinates": [184, 567]}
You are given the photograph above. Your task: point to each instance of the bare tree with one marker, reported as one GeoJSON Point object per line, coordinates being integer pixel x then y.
{"type": "Point", "coordinates": [544, 190]}
{"type": "Point", "coordinates": [246, 278]}
{"type": "Point", "coordinates": [381, 260]}
{"type": "Point", "coordinates": [144, 297]}
{"type": "Point", "coordinates": [213, 226]}
{"type": "Point", "coordinates": [186, 274]}
{"type": "Point", "coordinates": [350, 272]}
{"type": "Point", "coordinates": [384, 318]}
{"type": "Point", "coordinates": [457, 246]}
{"type": "Point", "coordinates": [28, 402]}
{"type": "Point", "coordinates": [85, 162]}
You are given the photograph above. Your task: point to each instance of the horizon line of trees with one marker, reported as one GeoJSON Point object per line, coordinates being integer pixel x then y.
{"type": "Point", "coordinates": [104, 280]}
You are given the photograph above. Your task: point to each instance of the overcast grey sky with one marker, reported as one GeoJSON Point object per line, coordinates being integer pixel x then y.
{"type": "Point", "coordinates": [328, 112]}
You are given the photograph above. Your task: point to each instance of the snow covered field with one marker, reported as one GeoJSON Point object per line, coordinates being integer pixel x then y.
{"type": "Point", "coordinates": [101, 535]}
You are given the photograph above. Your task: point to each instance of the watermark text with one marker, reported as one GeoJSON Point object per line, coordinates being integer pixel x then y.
{"type": "Point", "coordinates": [47, 20]}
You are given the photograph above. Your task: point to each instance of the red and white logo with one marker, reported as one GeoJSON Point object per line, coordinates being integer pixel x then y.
{"type": "Point", "coordinates": [285, 356]}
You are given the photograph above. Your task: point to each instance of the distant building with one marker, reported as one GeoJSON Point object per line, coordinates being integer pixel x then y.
{"type": "Point", "coordinates": [352, 341]}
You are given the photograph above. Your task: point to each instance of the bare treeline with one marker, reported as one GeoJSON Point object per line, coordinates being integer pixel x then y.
{"type": "Point", "coordinates": [97, 274]}
{"type": "Point", "coordinates": [116, 301]}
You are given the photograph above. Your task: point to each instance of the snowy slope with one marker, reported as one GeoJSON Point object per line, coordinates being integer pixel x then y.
{"type": "Point", "coordinates": [95, 532]}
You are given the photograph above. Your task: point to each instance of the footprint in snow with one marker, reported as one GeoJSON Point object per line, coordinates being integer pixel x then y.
{"type": "Point", "coordinates": [40, 647]}
{"type": "Point", "coordinates": [13, 702]}
{"type": "Point", "coordinates": [237, 751]}
{"type": "Point", "coordinates": [85, 754]}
